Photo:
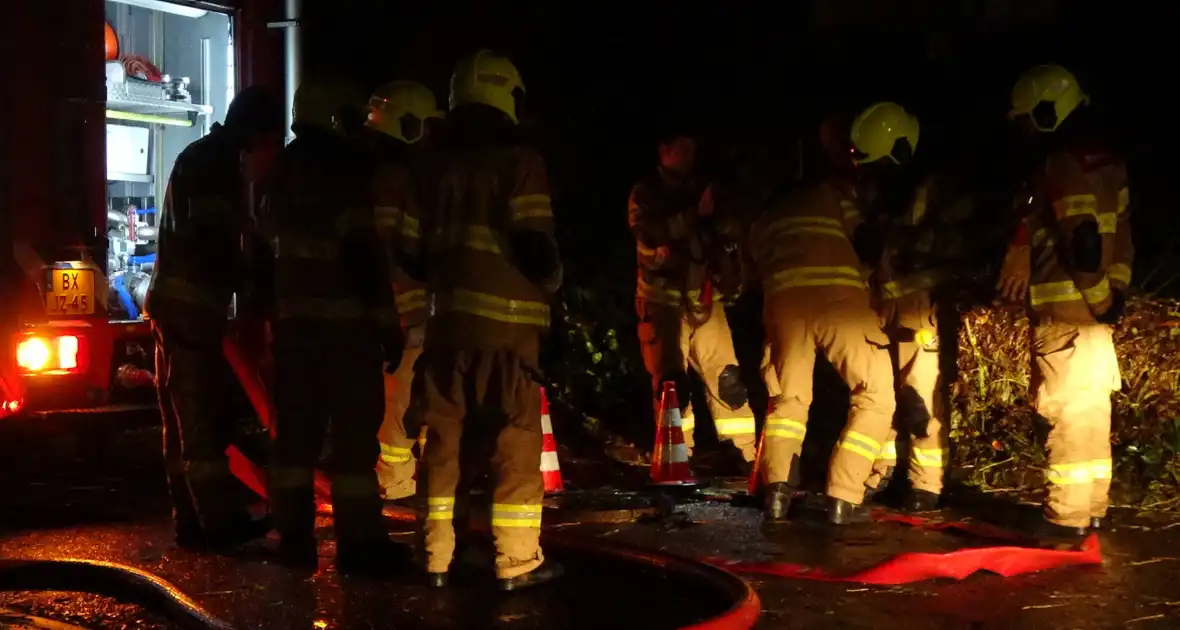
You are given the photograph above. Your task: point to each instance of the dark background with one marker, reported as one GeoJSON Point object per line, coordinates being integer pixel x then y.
{"type": "Point", "coordinates": [603, 81]}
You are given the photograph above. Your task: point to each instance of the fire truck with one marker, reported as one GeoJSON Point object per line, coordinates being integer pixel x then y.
{"type": "Point", "coordinates": [118, 89]}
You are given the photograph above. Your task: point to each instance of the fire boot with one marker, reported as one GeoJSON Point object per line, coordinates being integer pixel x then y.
{"type": "Point", "coordinates": [380, 557]}
{"type": "Point", "coordinates": [299, 552]}
{"type": "Point", "coordinates": [294, 514]}
{"type": "Point", "coordinates": [245, 530]}
{"type": "Point", "coordinates": [881, 492]}
{"type": "Point", "coordinates": [841, 512]}
{"type": "Point", "coordinates": [186, 525]}
{"type": "Point", "coordinates": [187, 529]}
{"type": "Point", "coordinates": [778, 501]}
{"type": "Point", "coordinates": [547, 572]}
{"type": "Point", "coordinates": [922, 501]}
{"type": "Point", "coordinates": [1052, 533]}
{"type": "Point", "coordinates": [436, 580]}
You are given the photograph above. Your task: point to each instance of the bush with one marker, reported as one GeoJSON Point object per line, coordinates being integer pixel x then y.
{"type": "Point", "coordinates": [999, 440]}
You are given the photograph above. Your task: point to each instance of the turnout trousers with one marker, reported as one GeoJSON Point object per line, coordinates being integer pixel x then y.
{"type": "Point", "coordinates": [921, 398]}
{"type": "Point", "coordinates": [193, 380]}
{"type": "Point", "coordinates": [491, 387]}
{"type": "Point", "coordinates": [1074, 371]}
{"type": "Point", "coordinates": [399, 431]}
{"type": "Point", "coordinates": [671, 343]}
{"type": "Point", "coordinates": [848, 332]}
{"type": "Point", "coordinates": [333, 391]}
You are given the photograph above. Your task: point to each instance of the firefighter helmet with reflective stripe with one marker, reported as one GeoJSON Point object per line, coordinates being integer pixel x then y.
{"type": "Point", "coordinates": [400, 109]}
{"type": "Point", "coordinates": [488, 79]}
{"type": "Point", "coordinates": [1047, 94]}
{"type": "Point", "coordinates": [884, 130]}
{"type": "Point", "coordinates": [323, 103]}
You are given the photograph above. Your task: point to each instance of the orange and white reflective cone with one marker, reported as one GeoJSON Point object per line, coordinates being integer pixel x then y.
{"type": "Point", "coordinates": [550, 467]}
{"type": "Point", "coordinates": [669, 459]}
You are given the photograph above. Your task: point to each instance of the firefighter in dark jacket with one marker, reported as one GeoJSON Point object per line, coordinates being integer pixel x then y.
{"type": "Point", "coordinates": [334, 322]}
{"type": "Point", "coordinates": [489, 255]}
{"type": "Point", "coordinates": [199, 264]}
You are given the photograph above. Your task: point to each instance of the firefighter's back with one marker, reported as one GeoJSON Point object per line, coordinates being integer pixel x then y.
{"type": "Point", "coordinates": [198, 256]}
{"type": "Point", "coordinates": [803, 245]}
{"type": "Point", "coordinates": [324, 274]}
{"type": "Point", "coordinates": [477, 196]}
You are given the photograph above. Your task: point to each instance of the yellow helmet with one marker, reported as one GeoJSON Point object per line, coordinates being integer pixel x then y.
{"type": "Point", "coordinates": [488, 79]}
{"type": "Point", "coordinates": [878, 128]}
{"type": "Point", "coordinates": [400, 108]}
{"type": "Point", "coordinates": [1047, 94]}
{"type": "Point", "coordinates": [322, 104]}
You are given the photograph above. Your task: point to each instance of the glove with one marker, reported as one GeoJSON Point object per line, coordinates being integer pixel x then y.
{"type": "Point", "coordinates": [393, 345]}
{"type": "Point", "coordinates": [1086, 248]}
{"type": "Point", "coordinates": [706, 205]}
{"type": "Point", "coordinates": [730, 388]}
{"type": "Point", "coordinates": [537, 257]}
{"type": "Point", "coordinates": [416, 336]}
{"type": "Point", "coordinates": [1117, 310]}
{"type": "Point", "coordinates": [1015, 273]}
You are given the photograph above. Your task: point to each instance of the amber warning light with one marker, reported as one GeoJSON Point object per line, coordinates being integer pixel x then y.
{"type": "Point", "coordinates": [36, 354]}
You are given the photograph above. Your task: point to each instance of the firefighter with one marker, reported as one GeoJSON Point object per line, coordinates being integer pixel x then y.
{"type": "Point", "coordinates": [809, 251]}
{"type": "Point", "coordinates": [682, 321]}
{"type": "Point", "coordinates": [1071, 263]}
{"type": "Point", "coordinates": [489, 255]}
{"type": "Point", "coordinates": [335, 322]}
{"type": "Point", "coordinates": [398, 120]}
{"type": "Point", "coordinates": [922, 243]}
{"type": "Point", "coordinates": [199, 265]}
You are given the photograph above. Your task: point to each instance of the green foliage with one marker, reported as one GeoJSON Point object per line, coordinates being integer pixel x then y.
{"type": "Point", "coordinates": [594, 362]}
{"type": "Point", "coordinates": [999, 440]}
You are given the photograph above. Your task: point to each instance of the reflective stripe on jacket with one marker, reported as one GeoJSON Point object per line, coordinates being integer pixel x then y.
{"type": "Point", "coordinates": [662, 214]}
{"type": "Point", "coordinates": [1068, 194]}
{"type": "Point", "coordinates": [478, 199]}
{"type": "Point", "coordinates": [330, 263]}
{"type": "Point", "coordinates": [806, 241]}
{"type": "Point", "coordinates": [395, 211]}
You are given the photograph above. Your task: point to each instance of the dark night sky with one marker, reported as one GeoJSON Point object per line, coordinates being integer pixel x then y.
{"type": "Point", "coordinates": [603, 83]}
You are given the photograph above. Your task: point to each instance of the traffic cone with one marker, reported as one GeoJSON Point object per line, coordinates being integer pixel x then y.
{"type": "Point", "coordinates": [669, 459]}
{"type": "Point", "coordinates": [756, 470]}
{"type": "Point", "coordinates": [550, 467]}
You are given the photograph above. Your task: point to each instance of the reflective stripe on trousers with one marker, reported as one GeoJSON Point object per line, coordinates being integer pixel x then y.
{"type": "Point", "coordinates": [395, 454]}
{"type": "Point", "coordinates": [1075, 369]}
{"type": "Point", "coordinates": [516, 515]}
{"type": "Point", "coordinates": [834, 276]}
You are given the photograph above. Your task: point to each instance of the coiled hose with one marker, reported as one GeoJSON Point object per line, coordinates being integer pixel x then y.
{"type": "Point", "coordinates": [112, 580]}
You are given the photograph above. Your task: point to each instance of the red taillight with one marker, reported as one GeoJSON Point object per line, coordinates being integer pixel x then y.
{"type": "Point", "coordinates": [36, 354]}
{"type": "Point", "coordinates": [9, 406]}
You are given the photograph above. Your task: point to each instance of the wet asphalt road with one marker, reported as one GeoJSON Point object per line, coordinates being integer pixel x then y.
{"type": "Point", "coordinates": [94, 491]}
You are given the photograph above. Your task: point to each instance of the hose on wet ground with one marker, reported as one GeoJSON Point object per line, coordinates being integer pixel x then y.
{"type": "Point", "coordinates": [112, 580]}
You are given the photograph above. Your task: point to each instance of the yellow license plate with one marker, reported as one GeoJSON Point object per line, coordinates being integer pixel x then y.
{"type": "Point", "coordinates": [72, 292]}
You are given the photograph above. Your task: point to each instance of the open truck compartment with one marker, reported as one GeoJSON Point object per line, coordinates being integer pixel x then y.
{"type": "Point", "coordinates": [169, 79]}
